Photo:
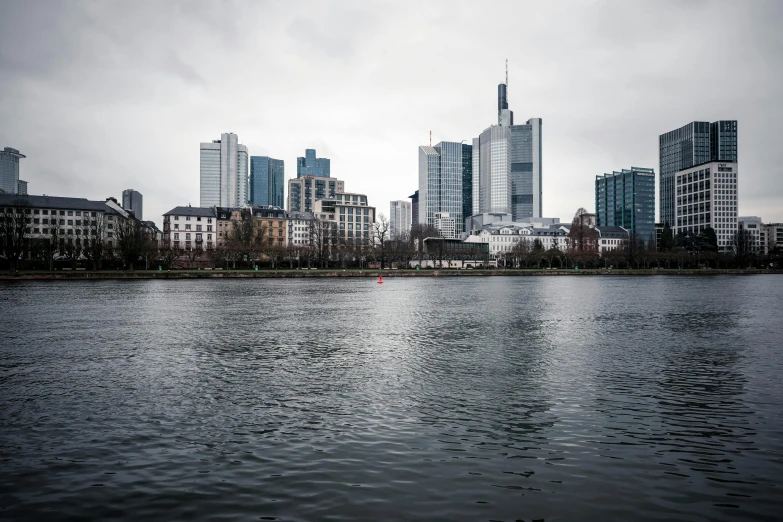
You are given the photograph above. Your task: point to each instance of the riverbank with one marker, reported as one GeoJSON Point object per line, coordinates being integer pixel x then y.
{"type": "Point", "coordinates": [305, 273]}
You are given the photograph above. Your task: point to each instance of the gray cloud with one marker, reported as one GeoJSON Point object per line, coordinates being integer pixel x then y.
{"type": "Point", "coordinates": [103, 96]}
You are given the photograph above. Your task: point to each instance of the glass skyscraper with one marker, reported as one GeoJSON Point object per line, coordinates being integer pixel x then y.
{"type": "Point", "coordinates": [9, 170]}
{"type": "Point", "coordinates": [267, 179]}
{"type": "Point", "coordinates": [627, 199]}
{"type": "Point", "coordinates": [467, 181]}
{"type": "Point", "coordinates": [507, 170]}
{"type": "Point", "coordinates": [694, 144]}
{"type": "Point", "coordinates": [132, 200]}
{"type": "Point", "coordinates": [441, 183]}
{"type": "Point", "coordinates": [312, 166]}
{"type": "Point", "coordinates": [224, 165]}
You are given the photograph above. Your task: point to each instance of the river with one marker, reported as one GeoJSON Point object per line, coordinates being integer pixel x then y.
{"type": "Point", "coordinates": [527, 398]}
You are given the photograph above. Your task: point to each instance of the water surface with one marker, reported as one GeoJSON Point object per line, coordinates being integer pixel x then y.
{"type": "Point", "coordinates": [527, 398]}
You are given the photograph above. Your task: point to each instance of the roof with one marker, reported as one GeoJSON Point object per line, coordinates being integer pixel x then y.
{"type": "Point", "coordinates": [191, 211]}
{"type": "Point", "coordinates": [612, 231]}
{"type": "Point", "coordinates": [426, 149]}
{"type": "Point", "coordinates": [59, 203]}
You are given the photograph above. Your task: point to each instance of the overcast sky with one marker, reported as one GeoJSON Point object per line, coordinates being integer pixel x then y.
{"type": "Point", "coordinates": [103, 96]}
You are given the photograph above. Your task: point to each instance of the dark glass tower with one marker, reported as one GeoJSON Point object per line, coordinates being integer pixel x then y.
{"type": "Point", "coordinates": [467, 181]}
{"type": "Point", "coordinates": [312, 166]}
{"type": "Point", "coordinates": [627, 199]}
{"type": "Point", "coordinates": [696, 143]}
{"type": "Point", "coordinates": [266, 181]}
{"type": "Point", "coordinates": [414, 208]}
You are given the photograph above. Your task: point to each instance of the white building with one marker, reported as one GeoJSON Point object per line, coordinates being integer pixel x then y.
{"type": "Point", "coordinates": [446, 225]}
{"type": "Point", "coordinates": [351, 216]}
{"type": "Point", "coordinates": [706, 196]}
{"type": "Point", "coordinates": [754, 228]}
{"type": "Point", "coordinates": [190, 228]}
{"type": "Point", "coordinates": [224, 174]}
{"type": "Point", "coordinates": [400, 216]}
{"type": "Point", "coordinates": [772, 237]}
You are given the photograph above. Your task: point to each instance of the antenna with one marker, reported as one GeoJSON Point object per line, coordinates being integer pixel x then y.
{"type": "Point", "coordinates": [430, 138]}
{"type": "Point", "coordinates": [506, 80]}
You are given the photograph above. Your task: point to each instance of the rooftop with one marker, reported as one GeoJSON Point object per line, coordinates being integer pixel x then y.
{"type": "Point", "coordinates": [56, 202]}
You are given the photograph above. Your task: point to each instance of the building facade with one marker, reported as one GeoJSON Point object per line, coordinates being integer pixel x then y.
{"type": "Point", "coordinates": [71, 221]}
{"type": "Point", "coordinates": [309, 165]}
{"type": "Point", "coordinates": [696, 143]}
{"type": "Point", "coordinates": [441, 183]}
{"type": "Point", "coordinates": [132, 200]}
{"type": "Point", "coordinates": [399, 218]}
{"type": "Point", "coordinates": [706, 196]}
{"type": "Point", "coordinates": [627, 199]}
{"type": "Point", "coordinates": [9, 171]}
{"type": "Point", "coordinates": [267, 180]}
{"type": "Point", "coordinates": [224, 173]}
{"type": "Point", "coordinates": [754, 228]}
{"type": "Point", "coordinates": [351, 216]}
{"type": "Point", "coordinates": [525, 151]}
{"type": "Point", "coordinates": [414, 208]}
{"type": "Point", "coordinates": [492, 171]}
{"type": "Point", "coordinates": [305, 191]}
{"type": "Point", "coordinates": [190, 228]}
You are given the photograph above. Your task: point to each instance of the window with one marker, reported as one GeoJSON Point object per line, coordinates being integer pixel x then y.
{"type": "Point", "coordinates": [176, 218]}
{"type": "Point", "coordinates": [187, 218]}
{"type": "Point", "coordinates": [70, 212]}
{"type": "Point", "coordinates": [109, 234]}
{"type": "Point", "coordinates": [176, 226]}
{"type": "Point", "coordinates": [176, 236]}
{"type": "Point", "coordinates": [70, 222]}
{"type": "Point", "coordinates": [110, 226]}
{"type": "Point", "coordinates": [187, 237]}
{"type": "Point", "coordinates": [45, 212]}
{"type": "Point", "coordinates": [209, 228]}
{"type": "Point", "coordinates": [198, 228]}
{"type": "Point", "coordinates": [187, 227]}
{"type": "Point", "coordinates": [198, 218]}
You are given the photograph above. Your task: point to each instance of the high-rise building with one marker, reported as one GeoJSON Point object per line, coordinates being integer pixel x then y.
{"type": "Point", "coordinates": [706, 196]}
{"type": "Point", "coordinates": [305, 191]}
{"type": "Point", "coordinates": [507, 173]}
{"type": "Point", "coordinates": [492, 171]}
{"type": "Point", "coordinates": [627, 199]}
{"type": "Point", "coordinates": [696, 143]}
{"type": "Point", "coordinates": [414, 208]}
{"type": "Point", "coordinates": [467, 181]}
{"type": "Point", "coordinates": [267, 180]}
{"type": "Point", "coordinates": [399, 218]}
{"type": "Point", "coordinates": [440, 183]}
{"type": "Point", "coordinates": [9, 170]}
{"type": "Point", "coordinates": [21, 187]}
{"type": "Point", "coordinates": [224, 165]}
{"type": "Point", "coordinates": [525, 150]}
{"type": "Point", "coordinates": [312, 166]}
{"type": "Point", "coordinates": [132, 200]}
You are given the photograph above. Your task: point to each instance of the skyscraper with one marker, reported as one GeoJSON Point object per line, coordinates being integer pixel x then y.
{"type": "Point", "coordinates": [224, 165]}
{"type": "Point", "coordinates": [694, 144]}
{"type": "Point", "coordinates": [507, 173]}
{"type": "Point", "coordinates": [312, 166]}
{"type": "Point", "coordinates": [467, 181]}
{"type": "Point", "coordinates": [399, 218]}
{"type": "Point", "coordinates": [440, 183]}
{"type": "Point", "coordinates": [132, 200]}
{"type": "Point", "coordinates": [9, 170]}
{"type": "Point", "coordinates": [267, 179]}
{"type": "Point", "coordinates": [414, 208]}
{"type": "Point", "coordinates": [627, 199]}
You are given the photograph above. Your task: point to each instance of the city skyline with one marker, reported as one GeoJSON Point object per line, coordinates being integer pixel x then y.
{"type": "Point", "coordinates": [165, 97]}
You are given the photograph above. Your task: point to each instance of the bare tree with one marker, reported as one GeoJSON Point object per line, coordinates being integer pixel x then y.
{"type": "Point", "coordinates": [132, 243]}
{"type": "Point", "coordinates": [14, 229]}
{"type": "Point", "coordinates": [380, 236]}
{"type": "Point", "coordinates": [51, 244]}
{"type": "Point", "coordinates": [322, 238]}
{"type": "Point", "coordinates": [94, 244]}
{"type": "Point", "coordinates": [246, 238]}
{"type": "Point", "coordinates": [583, 237]}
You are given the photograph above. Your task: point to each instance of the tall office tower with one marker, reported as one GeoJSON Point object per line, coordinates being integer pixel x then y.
{"type": "Point", "coordinates": [627, 199]}
{"type": "Point", "coordinates": [492, 171]}
{"type": "Point", "coordinates": [224, 165]}
{"type": "Point", "coordinates": [467, 181]}
{"type": "Point", "coordinates": [440, 183]}
{"type": "Point", "coordinates": [706, 196]}
{"type": "Point", "coordinates": [9, 170]}
{"type": "Point", "coordinates": [512, 185]}
{"type": "Point", "coordinates": [312, 166]}
{"type": "Point", "coordinates": [132, 200]}
{"type": "Point", "coordinates": [267, 181]}
{"type": "Point", "coordinates": [21, 187]}
{"type": "Point", "coordinates": [694, 144]}
{"type": "Point", "coordinates": [525, 153]}
{"type": "Point", "coordinates": [414, 208]}
{"type": "Point", "coordinates": [399, 218]}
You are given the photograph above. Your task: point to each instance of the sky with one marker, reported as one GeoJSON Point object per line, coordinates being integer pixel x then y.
{"type": "Point", "coordinates": [108, 95]}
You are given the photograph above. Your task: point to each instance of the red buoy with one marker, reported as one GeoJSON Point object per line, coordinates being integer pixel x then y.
{"type": "Point", "coordinates": [380, 280]}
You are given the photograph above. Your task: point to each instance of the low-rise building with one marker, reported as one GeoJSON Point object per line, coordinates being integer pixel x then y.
{"type": "Point", "coordinates": [753, 227]}
{"type": "Point", "coordinates": [71, 220]}
{"type": "Point", "coordinates": [352, 217]}
{"type": "Point", "coordinates": [772, 237]}
{"type": "Point", "coordinates": [305, 191]}
{"type": "Point", "coordinates": [611, 238]}
{"type": "Point", "coordinates": [190, 228]}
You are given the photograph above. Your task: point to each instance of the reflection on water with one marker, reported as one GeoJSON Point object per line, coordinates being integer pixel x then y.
{"type": "Point", "coordinates": [479, 399]}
